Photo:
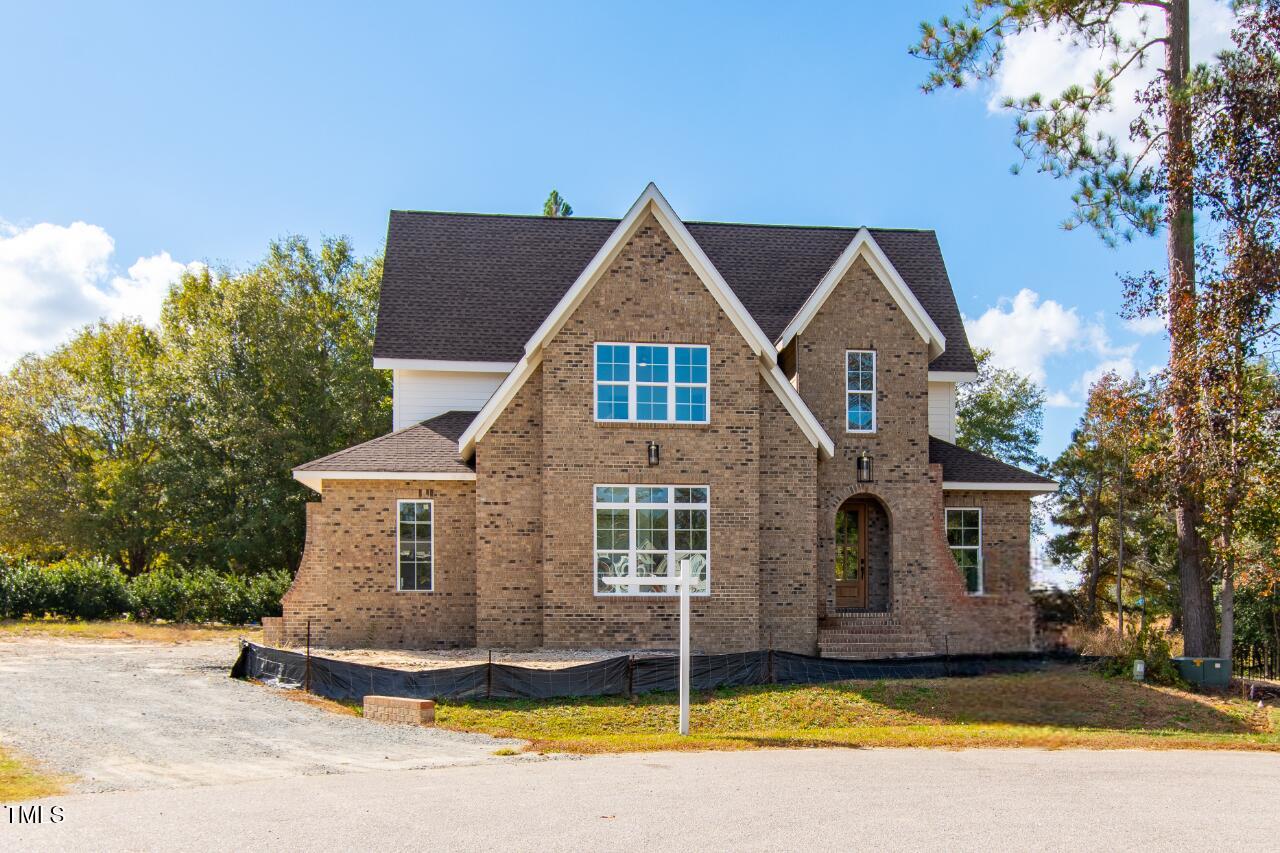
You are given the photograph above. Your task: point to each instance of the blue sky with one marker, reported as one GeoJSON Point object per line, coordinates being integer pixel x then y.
{"type": "Point", "coordinates": [179, 133]}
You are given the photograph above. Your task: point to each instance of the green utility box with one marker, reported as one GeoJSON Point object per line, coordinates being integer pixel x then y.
{"type": "Point", "coordinates": [1205, 672]}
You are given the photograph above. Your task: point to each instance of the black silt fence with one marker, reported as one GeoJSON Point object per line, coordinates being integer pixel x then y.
{"type": "Point", "coordinates": [619, 676]}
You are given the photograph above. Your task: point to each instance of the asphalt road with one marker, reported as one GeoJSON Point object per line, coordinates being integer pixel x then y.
{"type": "Point", "coordinates": [767, 800]}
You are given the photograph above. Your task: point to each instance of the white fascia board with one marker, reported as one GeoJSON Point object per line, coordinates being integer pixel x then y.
{"type": "Point", "coordinates": [792, 402]}
{"type": "Point", "coordinates": [952, 376]}
{"type": "Point", "coordinates": [504, 394]}
{"type": "Point", "coordinates": [444, 366]}
{"type": "Point", "coordinates": [652, 200]}
{"type": "Point", "coordinates": [314, 479]}
{"type": "Point", "coordinates": [865, 246]}
{"type": "Point", "coordinates": [952, 486]}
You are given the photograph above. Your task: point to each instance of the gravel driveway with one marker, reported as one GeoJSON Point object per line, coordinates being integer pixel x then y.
{"type": "Point", "coordinates": [130, 715]}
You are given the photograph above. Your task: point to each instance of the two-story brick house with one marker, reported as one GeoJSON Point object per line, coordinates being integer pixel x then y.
{"type": "Point", "coordinates": [583, 399]}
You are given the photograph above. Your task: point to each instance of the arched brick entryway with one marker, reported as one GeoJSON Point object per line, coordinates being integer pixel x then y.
{"type": "Point", "coordinates": [863, 556]}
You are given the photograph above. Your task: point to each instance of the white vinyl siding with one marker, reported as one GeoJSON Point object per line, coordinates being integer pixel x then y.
{"type": "Point", "coordinates": [942, 410]}
{"type": "Point", "coordinates": [421, 394]}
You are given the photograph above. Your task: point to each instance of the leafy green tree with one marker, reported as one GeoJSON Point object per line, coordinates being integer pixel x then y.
{"type": "Point", "coordinates": [1001, 414]}
{"type": "Point", "coordinates": [1110, 493]}
{"type": "Point", "coordinates": [555, 206]}
{"type": "Point", "coordinates": [1118, 194]}
{"type": "Point", "coordinates": [263, 370]}
{"type": "Point", "coordinates": [80, 446]}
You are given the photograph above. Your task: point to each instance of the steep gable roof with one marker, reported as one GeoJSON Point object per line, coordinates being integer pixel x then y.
{"type": "Point", "coordinates": [864, 246]}
{"type": "Point", "coordinates": [650, 203]}
{"type": "Point", "coordinates": [459, 286]}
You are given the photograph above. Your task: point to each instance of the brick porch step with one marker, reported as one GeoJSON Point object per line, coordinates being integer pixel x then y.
{"type": "Point", "coordinates": [873, 651]}
{"type": "Point", "coordinates": [866, 636]}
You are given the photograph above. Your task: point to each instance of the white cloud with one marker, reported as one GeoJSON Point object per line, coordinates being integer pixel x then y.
{"type": "Point", "coordinates": [56, 278]}
{"type": "Point", "coordinates": [1045, 61]}
{"type": "Point", "coordinates": [1022, 332]}
{"type": "Point", "coordinates": [1061, 400]}
{"type": "Point", "coordinates": [1153, 324]}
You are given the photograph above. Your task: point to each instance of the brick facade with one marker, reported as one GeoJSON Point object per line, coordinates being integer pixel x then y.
{"type": "Point", "coordinates": [649, 294]}
{"type": "Point", "coordinates": [347, 583]}
{"type": "Point", "coordinates": [515, 550]}
{"type": "Point", "coordinates": [927, 592]}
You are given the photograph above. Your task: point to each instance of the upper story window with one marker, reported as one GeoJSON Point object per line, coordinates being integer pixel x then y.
{"type": "Point", "coordinates": [652, 383]}
{"type": "Point", "coordinates": [414, 546]}
{"type": "Point", "coordinates": [860, 391]}
{"type": "Point", "coordinates": [964, 535]}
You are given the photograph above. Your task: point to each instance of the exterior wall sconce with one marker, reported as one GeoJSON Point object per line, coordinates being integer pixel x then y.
{"type": "Point", "coordinates": [865, 471]}
{"type": "Point", "coordinates": [654, 451]}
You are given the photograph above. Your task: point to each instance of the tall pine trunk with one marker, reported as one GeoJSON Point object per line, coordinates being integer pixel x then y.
{"type": "Point", "coordinates": [1198, 628]}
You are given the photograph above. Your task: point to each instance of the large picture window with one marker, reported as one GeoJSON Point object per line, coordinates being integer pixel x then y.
{"type": "Point", "coordinates": [645, 531]}
{"type": "Point", "coordinates": [860, 391]}
{"type": "Point", "coordinates": [652, 383]}
{"type": "Point", "coordinates": [964, 535]}
{"type": "Point", "coordinates": [414, 546]}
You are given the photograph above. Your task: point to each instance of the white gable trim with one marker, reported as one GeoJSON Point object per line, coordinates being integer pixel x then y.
{"type": "Point", "coordinates": [864, 245]}
{"type": "Point", "coordinates": [505, 393]}
{"type": "Point", "coordinates": [314, 480]}
{"type": "Point", "coordinates": [791, 400]}
{"type": "Point", "coordinates": [650, 201]}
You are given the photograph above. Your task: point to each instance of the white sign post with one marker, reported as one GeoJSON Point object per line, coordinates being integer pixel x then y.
{"type": "Point", "coordinates": [685, 582]}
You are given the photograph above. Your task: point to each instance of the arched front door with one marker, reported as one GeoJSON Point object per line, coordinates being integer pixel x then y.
{"type": "Point", "coordinates": [851, 556]}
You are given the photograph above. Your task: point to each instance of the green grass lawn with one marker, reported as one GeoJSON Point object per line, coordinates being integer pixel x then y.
{"type": "Point", "coordinates": [1063, 707]}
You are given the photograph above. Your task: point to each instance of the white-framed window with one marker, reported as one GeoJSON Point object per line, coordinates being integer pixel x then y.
{"type": "Point", "coordinates": [964, 535]}
{"type": "Point", "coordinates": [645, 531]}
{"type": "Point", "coordinates": [415, 546]}
{"type": "Point", "coordinates": [860, 390]}
{"type": "Point", "coordinates": [652, 383]}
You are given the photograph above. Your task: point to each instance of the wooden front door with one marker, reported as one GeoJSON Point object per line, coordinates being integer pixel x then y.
{"type": "Point", "coordinates": [851, 557]}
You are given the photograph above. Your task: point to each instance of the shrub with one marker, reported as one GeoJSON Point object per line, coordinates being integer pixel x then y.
{"type": "Point", "coordinates": [86, 589]}
{"type": "Point", "coordinates": [249, 599]}
{"type": "Point", "coordinates": [94, 589]}
{"type": "Point", "coordinates": [24, 590]}
{"type": "Point", "coordinates": [161, 594]}
{"type": "Point", "coordinates": [1151, 646]}
{"type": "Point", "coordinates": [203, 595]}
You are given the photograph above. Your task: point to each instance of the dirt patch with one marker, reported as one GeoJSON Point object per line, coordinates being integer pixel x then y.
{"type": "Point", "coordinates": [414, 661]}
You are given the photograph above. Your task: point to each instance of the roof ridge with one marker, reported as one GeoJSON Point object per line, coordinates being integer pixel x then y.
{"type": "Point", "coordinates": [732, 223]}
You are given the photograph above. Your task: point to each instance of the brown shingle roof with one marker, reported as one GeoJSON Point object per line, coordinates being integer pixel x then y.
{"type": "Point", "coordinates": [965, 466]}
{"type": "Point", "coordinates": [427, 447]}
{"type": "Point", "coordinates": [473, 287]}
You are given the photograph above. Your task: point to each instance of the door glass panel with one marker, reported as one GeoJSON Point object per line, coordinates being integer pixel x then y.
{"type": "Point", "coordinates": [848, 564]}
